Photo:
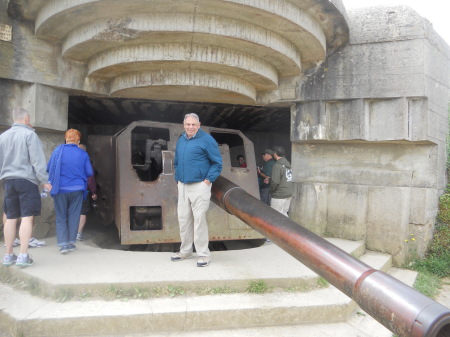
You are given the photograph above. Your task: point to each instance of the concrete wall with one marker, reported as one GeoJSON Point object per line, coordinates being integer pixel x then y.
{"type": "Point", "coordinates": [47, 106]}
{"type": "Point", "coordinates": [44, 225]}
{"type": "Point", "coordinates": [48, 110]}
{"type": "Point", "coordinates": [368, 125]}
{"type": "Point", "coordinates": [369, 135]}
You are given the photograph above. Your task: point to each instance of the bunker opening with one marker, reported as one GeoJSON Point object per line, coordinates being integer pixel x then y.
{"type": "Point", "coordinates": [132, 143]}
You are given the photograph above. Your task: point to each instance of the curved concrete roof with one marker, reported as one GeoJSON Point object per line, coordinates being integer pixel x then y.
{"type": "Point", "coordinates": [226, 51]}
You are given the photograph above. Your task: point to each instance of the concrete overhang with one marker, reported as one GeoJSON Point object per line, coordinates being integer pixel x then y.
{"type": "Point", "coordinates": [227, 51]}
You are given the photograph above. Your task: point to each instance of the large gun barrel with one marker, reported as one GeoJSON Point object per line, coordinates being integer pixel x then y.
{"type": "Point", "coordinates": [400, 308]}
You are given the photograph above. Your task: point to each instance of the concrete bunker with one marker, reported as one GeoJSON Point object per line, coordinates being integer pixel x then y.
{"type": "Point", "coordinates": [134, 165]}
{"type": "Point", "coordinates": [344, 89]}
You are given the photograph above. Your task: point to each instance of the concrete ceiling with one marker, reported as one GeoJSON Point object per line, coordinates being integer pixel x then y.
{"type": "Point", "coordinates": [121, 112]}
{"type": "Point", "coordinates": [217, 51]}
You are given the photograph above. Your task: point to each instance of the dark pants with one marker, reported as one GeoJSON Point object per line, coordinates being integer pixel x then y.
{"type": "Point", "coordinates": [85, 206]}
{"type": "Point", "coordinates": [68, 210]}
{"type": "Point", "coordinates": [265, 195]}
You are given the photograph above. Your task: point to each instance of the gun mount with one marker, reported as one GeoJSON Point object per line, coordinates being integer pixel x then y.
{"type": "Point", "coordinates": [137, 189]}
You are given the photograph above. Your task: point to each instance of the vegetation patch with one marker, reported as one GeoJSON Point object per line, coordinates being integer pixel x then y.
{"type": "Point", "coordinates": [437, 260]}
{"type": "Point", "coordinates": [257, 287]}
{"type": "Point", "coordinates": [216, 291]}
{"type": "Point", "coordinates": [436, 264]}
{"type": "Point", "coordinates": [428, 284]}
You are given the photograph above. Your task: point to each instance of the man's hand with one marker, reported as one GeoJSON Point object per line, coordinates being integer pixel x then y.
{"type": "Point", "coordinates": [47, 186]}
{"type": "Point", "coordinates": [207, 182]}
{"type": "Point", "coordinates": [94, 196]}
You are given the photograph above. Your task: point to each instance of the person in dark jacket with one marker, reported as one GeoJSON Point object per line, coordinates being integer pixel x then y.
{"type": "Point", "coordinates": [86, 204]}
{"type": "Point", "coordinates": [264, 176]}
{"type": "Point", "coordinates": [69, 168]}
{"type": "Point", "coordinates": [197, 164]}
{"type": "Point", "coordinates": [281, 185]}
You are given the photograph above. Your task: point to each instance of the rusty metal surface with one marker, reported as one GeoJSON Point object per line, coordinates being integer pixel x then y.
{"type": "Point", "coordinates": [397, 306]}
{"type": "Point", "coordinates": [142, 203]}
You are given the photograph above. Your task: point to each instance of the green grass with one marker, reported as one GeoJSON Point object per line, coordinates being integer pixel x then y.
{"type": "Point", "coordinates": [322, 283]}
{"type": "Point", "coordinates": [428, 284]}
{"type": "Point", "coordinates": [444, 208]}
{"type": "Point", "coordinates": [437, 260]}
{"type": "Point", "coordinates": [436, 264]}
{"type": "Point", "coordinates": [216, 291]}
{"type": "Point", "coordinates": [257, 287]}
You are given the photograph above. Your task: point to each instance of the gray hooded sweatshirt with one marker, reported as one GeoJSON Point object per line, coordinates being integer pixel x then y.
{"type": "Point", "coordinates": [281, 185]}
{"type": "Point", "coordinates": [22, 156]}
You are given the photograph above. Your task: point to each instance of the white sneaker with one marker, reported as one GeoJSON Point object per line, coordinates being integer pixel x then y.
{"type": "Point", "coordinates": [203, 261]}
{"type": "Point", "coordinates": [32, 243]}
{"type": "Point", "coordinates": [16, 242]}
{"type": "Point", "coordinates": [35, 243]}
{"type": "Point", "coordinates": [180, 257]}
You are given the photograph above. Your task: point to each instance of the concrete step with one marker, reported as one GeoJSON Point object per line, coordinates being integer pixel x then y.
{"type": "Point", "coordinates": [22, 314]}
{"type": "Point", "coordinates": [357, 326]}
{"type": "Point", "coordinates": [40, 317]}
{"type": "Point", "coordinates": [253, 316]}
{"type": "Point", "coordinates": [91, 269]}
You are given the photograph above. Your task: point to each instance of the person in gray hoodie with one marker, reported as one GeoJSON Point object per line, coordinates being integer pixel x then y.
{"type": "Point", "coordinates": [22, 169]}
{"type": "Point", "coordinates": [281, 185]}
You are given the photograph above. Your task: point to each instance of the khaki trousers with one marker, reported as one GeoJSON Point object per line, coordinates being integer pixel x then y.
{"type": "Point", "coordinates": [281, 205]}
{"type": "Point", "coordinates": [193, 202]}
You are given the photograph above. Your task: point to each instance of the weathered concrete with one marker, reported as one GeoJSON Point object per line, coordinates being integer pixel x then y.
{"type": "Point", "coordinates": [139, 49]}
{"type": "Point", "coordinates": [48, 110]}
{"type": "Point", "coordinates": [368, 91]}
{"type": "Point", "coordinates": [87, 270]}
{"type": "Point", "coordinates": [369, 135]}
{"type": "Point", "coordinates": [47, 106]}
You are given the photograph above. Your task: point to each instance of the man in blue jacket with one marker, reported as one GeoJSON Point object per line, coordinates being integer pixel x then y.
{"type": "Point", "coordinates": [197, 163]}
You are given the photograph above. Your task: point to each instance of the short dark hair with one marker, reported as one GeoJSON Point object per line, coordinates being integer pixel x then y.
{"type": "Point", "coordinates": [279, 150]}
{"type": "Point", "coordinates": [240, 156]}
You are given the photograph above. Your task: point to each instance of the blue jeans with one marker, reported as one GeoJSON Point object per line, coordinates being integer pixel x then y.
{"type": "Point", "coordinates": [68, 210]}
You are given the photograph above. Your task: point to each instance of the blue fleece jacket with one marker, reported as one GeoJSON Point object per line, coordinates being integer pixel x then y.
{"type": "Point", "coordinates": [197, 158]}
{"type": "Point", "coordinates": [75, 168]}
